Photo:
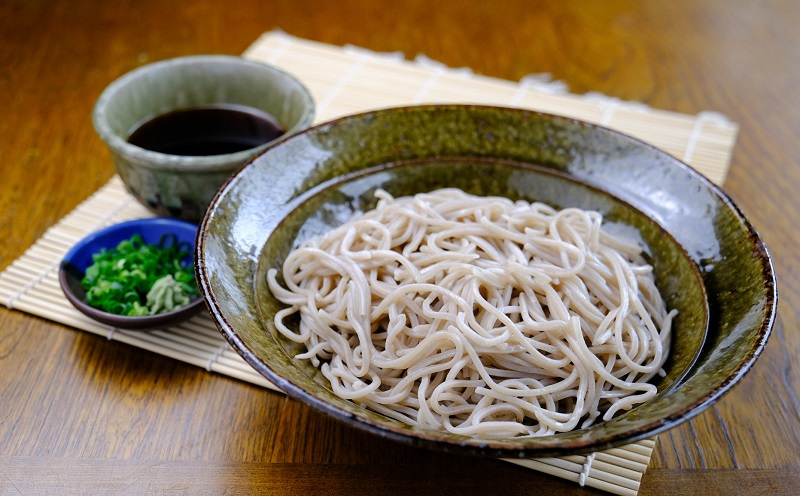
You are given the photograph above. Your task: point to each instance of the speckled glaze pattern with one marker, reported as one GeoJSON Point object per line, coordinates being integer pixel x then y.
{"type": "Point", "coordinates": [182, 186]}
{"type": "Point", "coordinates": [687, 221]}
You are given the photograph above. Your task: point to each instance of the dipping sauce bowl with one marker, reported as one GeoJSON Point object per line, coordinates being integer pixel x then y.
{"type": "Point", "coordinates": [180, 185]}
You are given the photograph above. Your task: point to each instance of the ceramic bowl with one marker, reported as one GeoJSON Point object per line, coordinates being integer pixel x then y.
{"type": "Point", "coordinates": [182, 186]}
{"type": "Point", "coordinates": [706, 254]}
{"type": "Point", "coordinates": [74, 264]}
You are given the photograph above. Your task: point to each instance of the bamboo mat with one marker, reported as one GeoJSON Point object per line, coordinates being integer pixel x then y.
{"type": "Point", "coordinates": [346, 80]}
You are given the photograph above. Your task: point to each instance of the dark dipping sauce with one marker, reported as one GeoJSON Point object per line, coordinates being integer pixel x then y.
{"type": "Point", "coordinates": [208, 130]}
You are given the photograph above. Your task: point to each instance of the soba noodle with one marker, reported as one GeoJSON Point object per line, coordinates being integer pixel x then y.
{"type": "Point", "coordinates": [477, 315]}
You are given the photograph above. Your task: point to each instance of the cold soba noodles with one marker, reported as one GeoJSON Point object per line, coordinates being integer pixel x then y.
{"type": "Point", "coordinates": [477, 315]}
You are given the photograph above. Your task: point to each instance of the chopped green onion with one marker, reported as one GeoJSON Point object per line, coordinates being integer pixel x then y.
{"type": "Point", "coordinates": [137, 278]}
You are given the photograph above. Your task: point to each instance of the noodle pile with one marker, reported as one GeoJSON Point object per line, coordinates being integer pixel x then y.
{"type": "Point", "coordinates": [477, 315]}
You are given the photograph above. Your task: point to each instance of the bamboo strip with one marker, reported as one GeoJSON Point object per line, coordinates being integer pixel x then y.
{"type": "Point", "coordinates": [591, 478]}
{"type": "Point", "coordinates": [595, 470]}
{"type": "Point", "coordinates": [643, 448]}
{"type": "Point", "coordinates": [345, 81]}
{"type": "Point", "coordinates": [637, 466]}
{"type": "Point", "coordinates": [614, 474]}
{"type": "Point", "coordinates": [541, 465]}
{"type": "Point", "coordinates": [607, 458]}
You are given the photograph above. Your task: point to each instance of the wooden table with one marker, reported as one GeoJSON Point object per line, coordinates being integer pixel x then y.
{"type": "Point", "coordinates": [83, 415]}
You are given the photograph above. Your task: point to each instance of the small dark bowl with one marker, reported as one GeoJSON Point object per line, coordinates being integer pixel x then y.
{"type": "Point", "coordinates": [77, 259]}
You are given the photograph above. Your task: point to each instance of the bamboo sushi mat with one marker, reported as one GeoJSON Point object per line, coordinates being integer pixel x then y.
{"type": "Point", "coordinates": [347, 80]}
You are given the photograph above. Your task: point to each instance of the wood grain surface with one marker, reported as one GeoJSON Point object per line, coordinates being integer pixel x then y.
{"type": "Point", "coordinates": [83, 415]}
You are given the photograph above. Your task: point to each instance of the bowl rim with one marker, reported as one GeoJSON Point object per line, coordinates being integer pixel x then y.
{"type": "Point", "coordinates": [145, 322]}
{"type": "Point", "coordinates": [163, 161]}
{"type": "Point", "coordinates": [501, 448]}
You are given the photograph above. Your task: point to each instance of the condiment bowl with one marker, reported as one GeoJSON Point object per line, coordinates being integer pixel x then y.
{"type": "Point", "coordinates": [709, 260]}
{"type": "Point", "coordinates": [74, 264]}
{"type": "Point", "coordinates": [181, 186]}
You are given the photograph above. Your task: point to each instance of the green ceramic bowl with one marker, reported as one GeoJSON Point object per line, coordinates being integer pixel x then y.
{"type": "Point", "coordinates": [182, 186]}
{"type": "Point", "coordinates": [710, 263]}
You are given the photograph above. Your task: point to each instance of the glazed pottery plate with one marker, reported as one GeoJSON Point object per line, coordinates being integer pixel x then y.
{"type": "Point", "coordinates": [696, 238]}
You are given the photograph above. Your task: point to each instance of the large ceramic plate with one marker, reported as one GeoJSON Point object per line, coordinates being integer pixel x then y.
{"type": "Point", "coordinates": [317, 178]}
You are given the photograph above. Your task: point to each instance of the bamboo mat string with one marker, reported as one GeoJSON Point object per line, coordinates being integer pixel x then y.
{"type": "Point", "coordinates": [535, 82]}
{"type": "Point", "coordinates": [610, 105]}
{"type": "Point", "coordinates": [217, 354]}
{"type": "Point", "coordinates": [587, 467]}
{"type": "Point", "coordinates": [32, 283]}
{"type": "Point", "coordinates": [426, 87]}
{"type": "Point", "coordinates": [353, 69]}
{"type": "Point", "coordinates": [350, 80]}
{"type": "Point", "coordinates": [697, 131]}
{"type": "Point", "coordinates": [608, 110]}
{"type": "Point", "coordinates": [284, 43]}
{"type": "Point", "coordinates": [357, 51]}
{"type": "Point", "coordinates": [544, 83]}
{"type": "Point", "coordinates": [426, 62]}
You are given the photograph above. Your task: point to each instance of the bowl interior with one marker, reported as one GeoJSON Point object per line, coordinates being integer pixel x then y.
{"type": "Point", "coordinates": [193, 81]}
{"type": "Point", "coordinates": [330, 205]}
{"type": "Point", "coordinates": [634, 183]}
{"type": "Point", "coordinates": [79, 258]}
